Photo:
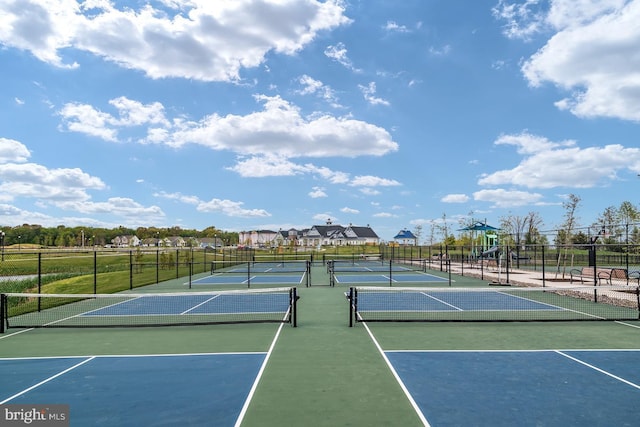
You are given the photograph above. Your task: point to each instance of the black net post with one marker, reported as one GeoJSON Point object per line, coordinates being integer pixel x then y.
{"type": "Point", "coordinates": [351, 299]}
{"type": "Point", "coordinates": [294, 307]}
{"type": "Point", "coordinates": [39, 277]}
{"type": "Point", "coordinates": [130, 272]}
{"type": "Point", "coordinates": [95, 272]}
{"type": "Point", "coordinates": [248, 274]}
{"type": "Point", "coordinates": [3, 312]}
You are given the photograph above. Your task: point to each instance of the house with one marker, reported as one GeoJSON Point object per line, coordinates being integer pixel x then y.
{"type": "Point", "coordinates": [258, 238]}
{"type": "Point", "coordinates": [125, 241]}
{"type": "Point", "coordinates": [406, 237]}
{"type": "Point", "coordinates": [337, 235]}
{"type": "Point", "coordinates": [210, 242]}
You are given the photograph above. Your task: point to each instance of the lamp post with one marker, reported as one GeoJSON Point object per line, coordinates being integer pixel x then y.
{"type": "Point", "coordinates": [19, 237]}
{"type": "Point", "coordinates": [2, 243]}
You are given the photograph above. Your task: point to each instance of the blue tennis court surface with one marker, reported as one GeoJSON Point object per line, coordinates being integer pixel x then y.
{"type": "Point", "coordinates": [457, 301]}
{"type": "Point", "coordinates": [243, 279]}
{"type": "Point", "coordinates": [185, 304]}
{"type": "Point", "coordinates": [364, 268]}
{"type": "Point", "coordinates": [522, 388]}
{"type": "Point", "coordinates": [201, 389]}
{"type": "Point", "coordinates": [347, 279]}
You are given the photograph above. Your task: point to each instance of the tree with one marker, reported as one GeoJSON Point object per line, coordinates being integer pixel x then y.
{"type": "Point", "coordinates": [570, 220]}
{"type": "Point", "coordinates": [514, 228]}
{"type": "Point", "coordinates": [417, 231]}
{"type": "Point", "coordinates": [628, 214]}
{"type": "Point", "coordinates": [532, 235]}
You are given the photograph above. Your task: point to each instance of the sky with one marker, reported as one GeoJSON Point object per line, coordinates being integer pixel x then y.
{"type": "Point", "coordinates": [277, 114]}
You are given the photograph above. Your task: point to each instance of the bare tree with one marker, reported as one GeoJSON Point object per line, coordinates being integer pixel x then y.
{"type": "Point", "coordinates": [417, 231]}
{"type": "Point", "coordinates": [534, 222]}
{"type": "Point", "coordinates": [627, 215]}
{"type": "Point", "coordinates": [570, 221]}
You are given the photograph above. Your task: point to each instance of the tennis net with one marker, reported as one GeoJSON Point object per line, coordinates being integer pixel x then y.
{"type": "Point", "coordinates": [484, 304]}
{"type": "Point", "coordinates": [249, 270]}
{"type": "Point", "coordinates": [27, 310]}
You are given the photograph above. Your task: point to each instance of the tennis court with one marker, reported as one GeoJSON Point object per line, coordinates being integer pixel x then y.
{"type": "Point", "coordinates": [382, 371]}
{"type": "Point", "coordinates": [509, 388]}
{"type": "Point", "coordinates": [112, 390]}
{"type": "Point", "coordinates": [249, 279]}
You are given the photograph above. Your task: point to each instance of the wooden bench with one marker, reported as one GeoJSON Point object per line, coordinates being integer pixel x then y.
{"type": "Point", "coordinates": [601, 274]}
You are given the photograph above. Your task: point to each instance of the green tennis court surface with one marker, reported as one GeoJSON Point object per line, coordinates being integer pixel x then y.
{"type": "Point", "coordinates": [324, 373]}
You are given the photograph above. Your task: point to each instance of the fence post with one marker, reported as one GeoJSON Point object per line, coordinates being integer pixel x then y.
{"type": "Point", "coordinates": [130, 270]}
{"type": "Point", "coordinates": [95, 272]}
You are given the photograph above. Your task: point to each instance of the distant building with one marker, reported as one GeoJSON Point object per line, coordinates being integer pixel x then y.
{"type": "Point", "coordinates": [125, 241]}
{"type": "Point", "coordinates": [318, 235]}
{"type": "Point", "coordinates": [406, 237]}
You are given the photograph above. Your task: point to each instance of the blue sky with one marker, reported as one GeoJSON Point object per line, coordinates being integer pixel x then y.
{"type": "Point", "coordinates": [269, 114]}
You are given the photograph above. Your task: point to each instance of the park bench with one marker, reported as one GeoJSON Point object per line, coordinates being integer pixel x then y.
{"type": "Point", "coordinates": [608, 275]}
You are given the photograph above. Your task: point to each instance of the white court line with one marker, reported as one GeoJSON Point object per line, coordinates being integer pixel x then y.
{"type": "Point", "coordinates": [595, 368]}
{"type": "Point", "coordinates": [47, 380]}
{"type": "Point", "coordinates": [202, 303]}
{"type": "Point", "coordinates": [258, 377]}
{"type": "Point", "coordinates": [441, 301]}
{"type": "Point", "coordinates": [397, 377]}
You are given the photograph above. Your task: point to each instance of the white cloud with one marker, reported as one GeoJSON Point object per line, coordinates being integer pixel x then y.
{"type": "Point", "coordinates": [13, 151]}
{"type": "Point", "coordinates": [225, 207]}
{"type": "Point", "coordinates": [349, 210]}
{"type": "Point", "coordinates": [393, 26]}
{"type": "Point", "coordinates": [85, 119]}
{"type": "Point", "coordinates": [549, 165]}
{"type": "Point", "coordinates": [522, 20]}
{"type": "Point", "coordinates": [501, 198]}
{"type": "Point", "coordinates": [199, 39]}
{"type": "Point", "coordinates": [591, 54]}
{"type": "Point", "coordinates": [373, 181]}
{"type": "Point", "coordinates": [440, 51]}
{"type": "Point", "coordinates": [53, 185]}
{"type": "Point", "coordinates": [384, 215]}
{"type": "Point", "coordinates": [278, 129]}
{"type": "Point", "coordinates": [369, 191]}
{"type": "Point", "coordinates": [455, 198]}
{"type": "Point", "coordinates": [231, 208]}
{"type": "Point", "coordinates": [339, 54]}
{"type": "Point", "coordinates": [317, 193]}
{"type": "Point", "coordinates": [313, 86]}
{"type": "Point", "coordinates": [369, 94]}
{"type": "Point", "coordinates": [120, 206]}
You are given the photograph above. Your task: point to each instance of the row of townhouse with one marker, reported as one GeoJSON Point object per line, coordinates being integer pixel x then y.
{"type": "Point", "coordinates": [318, 235]}
{"type": "Point", "coordinates": [166, 242]}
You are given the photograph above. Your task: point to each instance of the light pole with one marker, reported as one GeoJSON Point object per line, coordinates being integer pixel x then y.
{"type": "Point", "coordinates": [2, 243]}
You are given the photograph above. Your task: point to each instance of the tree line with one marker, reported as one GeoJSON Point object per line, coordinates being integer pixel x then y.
{"type": "Point", "coordinates": [62, 236]}
{"type": "Point", "coordinates": [616, 227]}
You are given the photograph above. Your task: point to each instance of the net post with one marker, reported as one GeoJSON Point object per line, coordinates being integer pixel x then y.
{"type": "Point", "coordinates": [350, 307]}
{"type": "Point", "coordinates": [3, 312]}
{"type": "Point", "coordinates": [294, 307]}
{"type": "Point", "coordinates": [249, 273]}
